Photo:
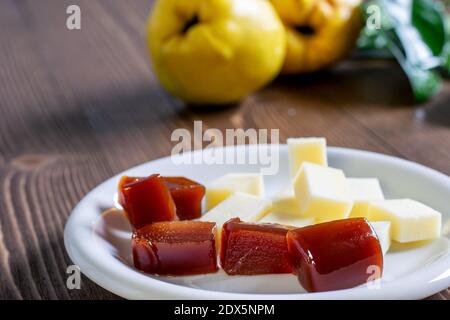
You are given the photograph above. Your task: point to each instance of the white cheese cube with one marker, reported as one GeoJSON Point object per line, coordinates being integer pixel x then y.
{"type": "Point", "coordinates": [287, 219]}
{"type": "Point", "coordinates": [383, 231]}
{"type": "Point", "coordinates": [363, 191]}
{"type": "Point", "coordinates": [246, 207]}
{"type": "Point", "coordinates": [302, 150]}
{"type": "Point", "coordinates": [225, 186]}
{"type": "Point", "coordinates": [322, 193]}
{"type": "Point", "coordinates": [286, 202]}
{"type": "Point", "coordinates": [410, 220]}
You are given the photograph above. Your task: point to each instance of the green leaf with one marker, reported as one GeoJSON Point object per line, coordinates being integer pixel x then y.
{"type": "Point", "coordinates": [446, 52]}
{"type": "Point", "coordinates": [416, 34]}
{"type": "Point", "coordinates": [428, 17]}
{"type": "Point", "coordinates": [424, 82]}
{"type": "Point", "coordinates": [446, 58]}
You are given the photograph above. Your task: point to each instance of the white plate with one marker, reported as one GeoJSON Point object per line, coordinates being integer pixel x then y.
{"type": "Point", "coordinates": [100, 244]}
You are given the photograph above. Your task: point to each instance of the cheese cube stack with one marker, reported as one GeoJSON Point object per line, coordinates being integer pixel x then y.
{"type": "Point", "coordinates": [225, 186]}
{"type": "Point", "coordinates": [302, 150]}
{"type": "Point", "coordinates": [363, 192]}
{"type": "Point", "coordinates": [285, 202]}
{"type": "Point", "coordinates": [322, 193]}
{"type": "Point", "coordinates": [383, 231]}
{"type": "Point", "coordinates": [410, 220]}
{"type": "Point", "coordinates": [287, 219]}
{"type": "Point", "coordinates": [246, 207]}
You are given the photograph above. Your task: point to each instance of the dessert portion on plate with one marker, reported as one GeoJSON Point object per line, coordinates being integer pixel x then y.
{"type": "Point", "coordinates": [330, 230]}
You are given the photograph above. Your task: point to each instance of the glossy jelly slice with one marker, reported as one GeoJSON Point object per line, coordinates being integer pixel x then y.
{"type": "Point", "coordinates": [187, 195]}
{"type": "Point", "coordinates": [250, 248]}
{"type": "Point", "coordinates": [175, 248]}
{"type": "Point", "coordinates": [146, 200]}
{"type": "Point", "coordinates": [335, 255]}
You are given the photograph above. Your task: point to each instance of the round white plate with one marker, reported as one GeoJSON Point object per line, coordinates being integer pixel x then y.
{"type": "Point", "coordinates": [100, 244]}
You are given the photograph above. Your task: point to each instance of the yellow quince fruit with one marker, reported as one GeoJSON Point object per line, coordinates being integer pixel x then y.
{"type": "Point", "coordinates": [215, 51]}
{"type": "Point", "coordinates": [319, 32]}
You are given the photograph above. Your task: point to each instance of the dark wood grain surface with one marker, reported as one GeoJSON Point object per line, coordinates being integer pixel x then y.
{"type": "Point", "coordinates": [77, 107]}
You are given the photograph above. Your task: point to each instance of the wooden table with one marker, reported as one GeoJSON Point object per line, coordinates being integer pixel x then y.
{"type": "Point", "coordinates": [80, 106]}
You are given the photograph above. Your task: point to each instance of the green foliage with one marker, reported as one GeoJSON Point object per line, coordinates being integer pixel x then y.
{"type": "Point", "coordinates": [416, 33]}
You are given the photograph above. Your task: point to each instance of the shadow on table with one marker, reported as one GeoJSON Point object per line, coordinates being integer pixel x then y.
{"type": "Point", "coordinates": [437, 113]}
{"type": "Point", "coordinates": [355, 84]}
{"type": "Point", "coordinates": [113, 114]}
{"type": "Point", "coordinates": [94, 115]}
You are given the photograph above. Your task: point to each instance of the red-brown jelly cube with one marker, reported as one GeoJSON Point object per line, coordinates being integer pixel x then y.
{"type": "Point", "coordinates": [187, 195]}
{"type": "Point", "coordinates": [176, 248]}
{"type": "Point", "coordinates": [250, 248]}
{"type": "Point", "coordinates": [125, 180]}
{"type": "Point", "coordinates": [146, 200]}
{"type": "Point", "coordinates": [335, 255]}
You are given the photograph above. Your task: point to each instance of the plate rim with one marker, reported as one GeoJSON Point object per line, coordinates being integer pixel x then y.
{"type": "Point", "coordinates": [414, 286]}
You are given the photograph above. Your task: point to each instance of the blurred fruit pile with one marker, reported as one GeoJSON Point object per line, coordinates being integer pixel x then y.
{"type": "Point", "coordinates": [218, 51]}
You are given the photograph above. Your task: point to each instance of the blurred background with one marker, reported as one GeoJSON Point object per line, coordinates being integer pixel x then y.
{"type": "Point", "coordinates": [78, 106]}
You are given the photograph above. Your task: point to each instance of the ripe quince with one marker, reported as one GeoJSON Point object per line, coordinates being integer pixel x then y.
{"type": "Point", "coordinates": [319, 32]}
{"type": "Point", "coordinates": [215, 51]}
